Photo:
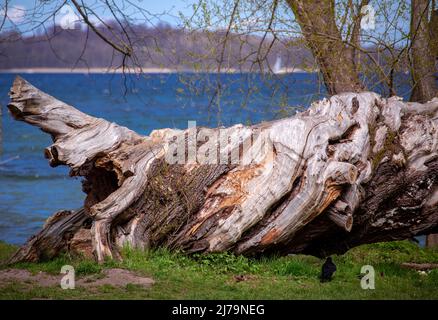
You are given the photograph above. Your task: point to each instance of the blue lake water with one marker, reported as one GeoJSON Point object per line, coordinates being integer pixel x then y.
{"type": "Point", "coordinates": [30, 190]}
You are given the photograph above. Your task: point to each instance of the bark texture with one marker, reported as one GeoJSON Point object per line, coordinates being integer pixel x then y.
{"type": "Point", "coordinates": [356, 168]}
{"type": "Point", "coordinates": [420, 266]}
{"type": "Point", "coordinates": [335, 59]}
{"type": "Point", "coordinates": [424, 37]}
{"type": "Point", "coordinates": [423, 51]}
{"type": "Point", "coordinates": [432, 240]}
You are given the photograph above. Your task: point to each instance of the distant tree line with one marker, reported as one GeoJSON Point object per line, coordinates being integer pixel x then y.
{"type": "Point", "coordinates": [161, 46]}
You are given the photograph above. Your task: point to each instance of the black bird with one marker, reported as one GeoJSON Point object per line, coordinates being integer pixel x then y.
{"type": "Point", "coordinates": [328, 268]}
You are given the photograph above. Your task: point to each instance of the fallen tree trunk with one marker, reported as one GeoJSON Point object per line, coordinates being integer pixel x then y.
{"type": "Point", "coordinates": [356, 168]}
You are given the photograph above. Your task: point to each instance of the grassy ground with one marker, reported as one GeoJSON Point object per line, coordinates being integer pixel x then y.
{"type": "Point", "coordinates": [214, 276]}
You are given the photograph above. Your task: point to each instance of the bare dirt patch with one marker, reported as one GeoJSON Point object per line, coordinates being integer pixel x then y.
{"type": "Point", "coordinates": [117, 278]}
{"type": "Point", "coordinates": [113, 277]}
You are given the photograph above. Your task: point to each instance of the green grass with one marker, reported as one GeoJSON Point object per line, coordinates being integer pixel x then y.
{"type": "Point", "coordinates": [212, 276]}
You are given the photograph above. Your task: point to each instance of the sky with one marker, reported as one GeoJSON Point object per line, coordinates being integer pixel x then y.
{"type": "Point", "coordinates": [24, 14]}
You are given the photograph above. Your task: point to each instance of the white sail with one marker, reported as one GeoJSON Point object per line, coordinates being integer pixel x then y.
{"type": "Point", "coordinates": [277, 66]}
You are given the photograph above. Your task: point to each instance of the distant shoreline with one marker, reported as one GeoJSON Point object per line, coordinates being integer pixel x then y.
{"type": "Point", "coordinates": [134, 70]}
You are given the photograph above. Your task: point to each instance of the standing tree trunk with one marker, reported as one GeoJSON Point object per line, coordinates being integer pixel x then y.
{"type": "Point", "coordinates": [432, 240]}
{"type": "Point", "coordinates": [335, 60]}
{"type": "Point", "coordinates": [423, 55]}
{"type": "Point", "coordinates": [352, 169]}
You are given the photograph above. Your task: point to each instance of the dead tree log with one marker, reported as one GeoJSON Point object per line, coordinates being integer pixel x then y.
{"type": "Point", "coordinates": [356, 168]}
{"type": "Point", "coordinates": [420, 266]}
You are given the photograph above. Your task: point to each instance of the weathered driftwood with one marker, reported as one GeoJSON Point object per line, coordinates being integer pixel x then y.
{"type": "Point", "coordinates": [420, 266]}
{"type": "Point", "coordinates": [355, 168]}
